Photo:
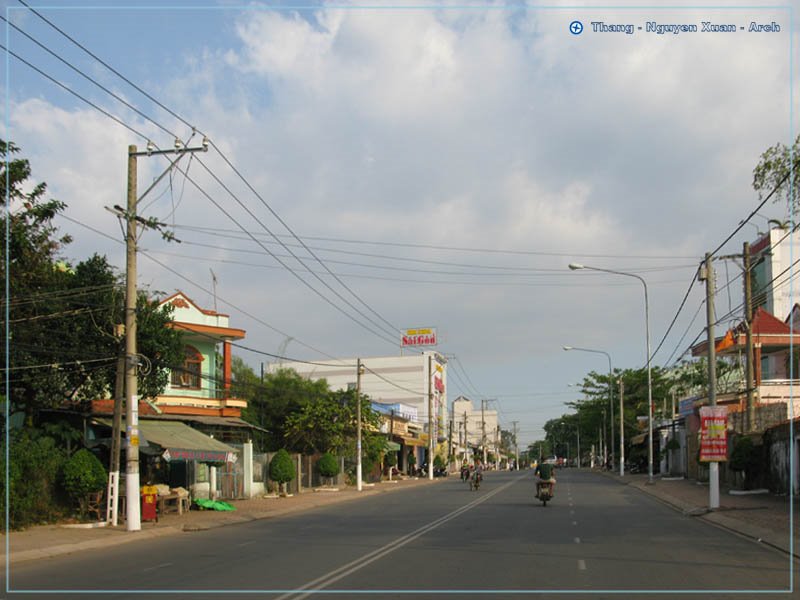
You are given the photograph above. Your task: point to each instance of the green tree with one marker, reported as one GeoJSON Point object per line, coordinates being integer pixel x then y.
{"type": "Point", "coordinates": [62, 318]}
{"type": "Point", "coordinates": [774, 172]}
{"type": "Point", "coordinates": [281, 469]}
{"type": "Point", "coordinates": [282, 394]}
{"type": "Point", "coordinates": [34, 469]}
{"type": "Point", "coordinates": [328, 466]}
{"type": "Point", "coordinates": [83, 475]}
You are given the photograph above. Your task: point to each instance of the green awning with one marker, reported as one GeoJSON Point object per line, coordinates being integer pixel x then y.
{"type": "Point", "coordinates": [392, 446]}
{"type": "Point", "coordinates": [181, 442]}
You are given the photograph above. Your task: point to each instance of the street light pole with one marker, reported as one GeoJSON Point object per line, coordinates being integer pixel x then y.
{"type": "Point", "coordinates": [576, 267]}
{"type": "Point", "coordinates": [610, 389]}
{"type": "Point", "coordinates": [359, 370]}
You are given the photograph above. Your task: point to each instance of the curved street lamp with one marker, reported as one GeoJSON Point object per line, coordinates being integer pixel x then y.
{"type": "Point", "coordinates": [577, 267]}
{"type": "Point", "coordinates": [611, 404]}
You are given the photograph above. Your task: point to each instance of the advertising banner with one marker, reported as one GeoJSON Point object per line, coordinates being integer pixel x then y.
{"type": "Point", "coordinates": [713, 434]}
{"type": "Point", "coordinates": [425, 336]}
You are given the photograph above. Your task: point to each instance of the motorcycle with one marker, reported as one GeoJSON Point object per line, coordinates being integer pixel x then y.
{"type": "Point", "coordinates": [475, 481]}
{"type": "Point", "coordinates": [544, 491]}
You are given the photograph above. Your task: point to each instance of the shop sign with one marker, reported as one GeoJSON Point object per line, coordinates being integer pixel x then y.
{"type": "Point", "coordinates": [425, 336]}
{"type": "Point", "coordinates": [713, 433]}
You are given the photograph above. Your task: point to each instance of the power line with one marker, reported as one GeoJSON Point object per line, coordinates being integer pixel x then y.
{"type": "Point", "coordinates": [200, 287]}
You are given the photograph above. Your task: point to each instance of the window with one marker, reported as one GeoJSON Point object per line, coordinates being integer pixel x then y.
{"type": "Point", "coordinates": [189, 375]}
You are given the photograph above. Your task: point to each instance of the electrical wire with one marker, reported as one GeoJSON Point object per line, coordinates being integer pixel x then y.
{"type": "Point", "coordinates": [238, 173]}
{"type": "Point", "coordinates": [200, 287]}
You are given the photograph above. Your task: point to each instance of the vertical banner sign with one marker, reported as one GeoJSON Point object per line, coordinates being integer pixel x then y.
{"type": "Point", "coordinates": [713, 433]}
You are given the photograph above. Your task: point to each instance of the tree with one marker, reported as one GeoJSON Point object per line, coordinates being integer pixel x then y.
{"type": "Point", "coordinates": [774, 172]}
{"type": "Point", "coordinates": [282, 394]}
{"type": "Point", "coordinates": [62, 318]}
{"type": "Point", "coordinates": [83, 475]}
{"type": "Point", "coordinates": [281, 469]}
{"type": "Point", "coordinates": [328, 466]}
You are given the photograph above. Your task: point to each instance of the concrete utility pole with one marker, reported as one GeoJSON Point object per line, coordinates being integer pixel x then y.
{"type": "Point", "coordinates": [621, 429]}
{"type": "Point", "coordinates": [112, 502]}
{"type": "Point", "coordinates": [707, 273]}
{"type": "Point", "coordinates": [466, 437]}
{"type": "Point", "coordinates": [483, 429]}
{"type": "Point", "coordinates": [748, 322]}
{"type": "Point", "coordinates": [359, 370]}
{"type": "Point", "coordinates": [516, 447]}
{"type": "Point", "coordinates": [133, 509]}
{"type": "Point", "coordinates": [430, 417]}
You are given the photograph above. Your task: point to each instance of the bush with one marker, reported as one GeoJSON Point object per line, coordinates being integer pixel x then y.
{"type": "Point", "coordinates": [327, 465]}
{"type": "Point", "coordinates": [746, 457]}
{"type": "Point", "coordinates": [281, 469]}
{"type": "Point", "coordinates": [34, 469]}
{"type": "Point", "coordinates": [83, 475]}
{"type": "Point", "coordinates": [391, 459]}
{"type": "Point", "coordinates": [438, 462]}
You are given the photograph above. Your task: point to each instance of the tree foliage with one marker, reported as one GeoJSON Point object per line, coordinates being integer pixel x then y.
{"type": "Point", "coordinates": [62, 317]}
{"type": "Point", "coordinates": [271, 402]}
{"type": "Point", "coordinates": [281, 467]}
{"type": "Point", "coordinates": [776, 171]}
{"type": "Point", "coordinates": [327, 465]}
{"type": "Point", "coordinates": [34, 470]}
{"type": "Point", "coordinates": [83, 474]}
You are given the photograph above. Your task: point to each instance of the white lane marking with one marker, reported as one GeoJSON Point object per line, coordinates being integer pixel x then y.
{"type": "Point", "coordinates": [359, 563]}
{"type": "Point", "coordinates": [577, 540]}
{"type": "Point", "coordinates": [247, 543]}
{"type": "Point", "coordinates": [572, 512]}
{"type": "Point", "coordinates": [161, 566]}
{"type": "Point", "coordinates": [574, 522]}
{"type": "Point", "coordinates": [581, 565]}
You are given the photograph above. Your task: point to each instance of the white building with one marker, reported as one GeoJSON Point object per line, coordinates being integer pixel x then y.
{"type": "Point", "coordinates": [481, 425]}
{"type": "Point", "coordinates": [403, 381]}
{"type": "Point", "coordinates": [772, 256]}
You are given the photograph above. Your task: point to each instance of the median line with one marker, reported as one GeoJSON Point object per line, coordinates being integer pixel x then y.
{"type": "Point", "coordinates": [355, 565]}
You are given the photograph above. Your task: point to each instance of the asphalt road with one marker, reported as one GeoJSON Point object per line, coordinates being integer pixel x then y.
{"type": "Point", "coordinates": [596, 539]}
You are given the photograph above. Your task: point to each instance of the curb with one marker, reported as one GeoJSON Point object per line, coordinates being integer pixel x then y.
{"type": "Point", "coordinates": [231, 518]}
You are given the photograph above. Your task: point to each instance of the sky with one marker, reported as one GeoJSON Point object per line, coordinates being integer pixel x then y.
{"type": "Point", "coordinates": [442, 164]}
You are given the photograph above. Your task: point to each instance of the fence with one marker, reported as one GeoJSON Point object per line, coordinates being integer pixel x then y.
{"type": "Point", "coordinates": [306, 474]}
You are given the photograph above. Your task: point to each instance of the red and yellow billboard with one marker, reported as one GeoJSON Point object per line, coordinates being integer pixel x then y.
{"type": "Point", "coordinates": [424, 336]}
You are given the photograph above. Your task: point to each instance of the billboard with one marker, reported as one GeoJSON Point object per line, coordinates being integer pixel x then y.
{"type": "Point", "coordinates": [421, 336]}
{"type": "Point", "coordinates": [713, 433]}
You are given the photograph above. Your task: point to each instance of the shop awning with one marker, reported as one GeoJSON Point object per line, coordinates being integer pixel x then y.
{"type": "Point", "coordinates": [392, 446]}
{"type": "Point", "coordinates": [409, 441]}
{"type": "Point", "coordinates": [181, 442]}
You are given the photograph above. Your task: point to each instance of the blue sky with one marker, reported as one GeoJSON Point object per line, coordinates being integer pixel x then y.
{"type": "Point", "coordinates": [496, 132]}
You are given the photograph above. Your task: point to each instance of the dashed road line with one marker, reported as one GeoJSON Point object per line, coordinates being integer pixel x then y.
{"type": "Point", "coordinates": [577, 540]}
{"type": "Point", "coordinates": [161, 566]}
{"type": "Point", "coordinates": [581, 565]}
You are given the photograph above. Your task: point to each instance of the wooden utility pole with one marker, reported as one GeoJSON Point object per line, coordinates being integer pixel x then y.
{"type": "Point", "coordinates": [430, 417]}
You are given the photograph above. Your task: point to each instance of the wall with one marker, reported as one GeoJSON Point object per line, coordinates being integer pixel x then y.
{"type": "Point", "coordinates": [779, 451]}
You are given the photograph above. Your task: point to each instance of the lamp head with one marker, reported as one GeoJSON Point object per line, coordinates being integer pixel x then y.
{"type": "Point", "coordinates": [567, 347]}
{"type": "Point", "coordinates": [575, 266]}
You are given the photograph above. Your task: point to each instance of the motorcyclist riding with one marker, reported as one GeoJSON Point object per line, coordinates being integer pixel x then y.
{"type": "Point", "coordinates": [545, 476]}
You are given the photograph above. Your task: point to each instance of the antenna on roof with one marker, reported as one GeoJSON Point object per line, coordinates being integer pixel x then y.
{"type": "Point", "coordinates": [214, 288]}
